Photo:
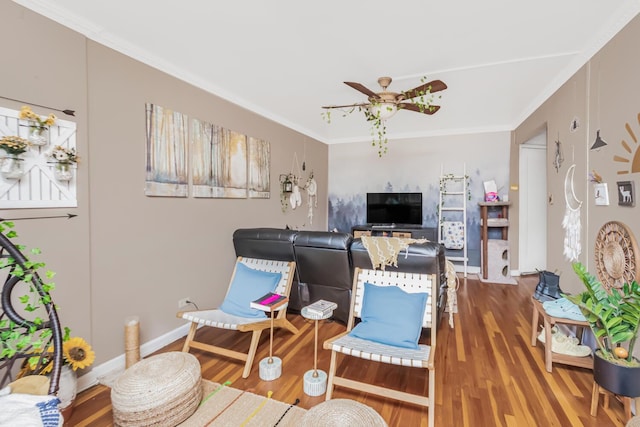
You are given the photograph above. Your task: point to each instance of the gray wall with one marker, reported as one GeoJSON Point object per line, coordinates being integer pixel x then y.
{"type": "Point", "coordinates": [127, 254]}
{"type": "Point", "coordinates": [415, 165]}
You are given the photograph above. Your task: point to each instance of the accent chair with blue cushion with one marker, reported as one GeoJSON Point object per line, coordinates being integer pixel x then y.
{"type": "Point", "coordinates": [424, 258]}
{"type": "Point", "coordinates": [392, 308]}
{"type": "Point", "coordinates": [251, 279]}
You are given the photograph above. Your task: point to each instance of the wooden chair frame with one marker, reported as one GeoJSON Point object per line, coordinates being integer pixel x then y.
{"type": "Point", "coordinates": [410, 282]}
{"type": "Point", "coordinates": [218, 319]}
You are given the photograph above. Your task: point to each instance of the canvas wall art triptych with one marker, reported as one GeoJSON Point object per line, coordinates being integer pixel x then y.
{"type": "Point", "coordinates": [193, 157]}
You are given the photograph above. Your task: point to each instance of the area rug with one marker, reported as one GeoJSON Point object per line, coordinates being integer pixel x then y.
{"type": "Point", "coordinates": [226, 406]}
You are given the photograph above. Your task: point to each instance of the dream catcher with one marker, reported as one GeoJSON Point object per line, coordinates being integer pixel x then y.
{"type": "Point", "coordinates": [312, 195]}
{"type": "Point", "coordinates": [571, 220]}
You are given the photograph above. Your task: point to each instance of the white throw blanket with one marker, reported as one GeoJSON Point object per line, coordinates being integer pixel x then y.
{"type": "Point", "coordinates": [384, 251]}
{"type": "Point", "coordinates": [29, 410]}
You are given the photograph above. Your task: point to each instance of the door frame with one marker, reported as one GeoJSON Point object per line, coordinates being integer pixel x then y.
{"type": "Point", "coordinates": [532, 218]}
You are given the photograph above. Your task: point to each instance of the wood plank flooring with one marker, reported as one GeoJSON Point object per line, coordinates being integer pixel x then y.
{"type": "Point", "coordinates": [487, 373]}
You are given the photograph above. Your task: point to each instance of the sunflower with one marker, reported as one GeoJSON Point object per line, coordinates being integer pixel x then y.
{"type": "Point", "coordinates": [78, 353]}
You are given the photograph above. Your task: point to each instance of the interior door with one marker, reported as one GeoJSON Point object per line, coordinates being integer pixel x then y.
{"type": "Point", "coordinates": [533, 204]}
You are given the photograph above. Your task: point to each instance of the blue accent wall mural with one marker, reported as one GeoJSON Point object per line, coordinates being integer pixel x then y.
{"type": "Point", "coordinates": [416, 166]}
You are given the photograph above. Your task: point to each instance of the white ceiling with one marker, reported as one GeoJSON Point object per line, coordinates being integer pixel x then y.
{"type": "Point", "coordinates": [284, 59]}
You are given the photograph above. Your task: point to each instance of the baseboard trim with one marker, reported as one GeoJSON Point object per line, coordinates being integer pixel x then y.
{"type": "Point", "coordinates": [117, 363]}
{"type": "Point", "coordinates": [470, 269]}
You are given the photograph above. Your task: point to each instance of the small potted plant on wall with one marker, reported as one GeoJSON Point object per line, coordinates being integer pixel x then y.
{"type": "Point", "coordinates": [614, 318]}
{"type": "Point", "coordinates": [64, 158]}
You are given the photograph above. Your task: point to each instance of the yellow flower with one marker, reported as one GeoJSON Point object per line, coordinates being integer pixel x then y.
{"type": "Point", "coordinates": [51, 119]}
{"type": "Point", "coordinates": [26, 113]}
{"type": "Point", "coordinates": [78, 353]}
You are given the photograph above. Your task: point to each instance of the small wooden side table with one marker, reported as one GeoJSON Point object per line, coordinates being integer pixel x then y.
{"type": "Point", "coordinates": [315, 380]}
{"type": "Point", "coordinates": [548, 323]}
{"type": "Point", "coordinates": [595, 399]}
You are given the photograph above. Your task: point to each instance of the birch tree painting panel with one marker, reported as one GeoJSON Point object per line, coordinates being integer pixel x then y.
{"type": "Point", "coordinates": [219, 162]}
{"type": "Point", "coordinates": [167, 168]}
{"type": "Point", "coordinates": [259, 168]}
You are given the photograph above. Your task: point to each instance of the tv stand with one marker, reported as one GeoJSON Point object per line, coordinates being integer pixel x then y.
{"type": "Point", "coordinates": [395, 230]}
{"type": "Point", "coordinates": [382, 226]}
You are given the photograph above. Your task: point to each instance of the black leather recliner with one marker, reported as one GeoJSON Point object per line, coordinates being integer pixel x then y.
{"type": "Point", "coordinates": [426, 258]}
{"type": "Point", "coordinates": [265, 243]}
{"type": "Point", "coordinates": [324, 269]}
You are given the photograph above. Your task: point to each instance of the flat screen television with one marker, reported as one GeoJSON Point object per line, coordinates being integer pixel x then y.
{"type": "Point", "coordinates": [394, 208]}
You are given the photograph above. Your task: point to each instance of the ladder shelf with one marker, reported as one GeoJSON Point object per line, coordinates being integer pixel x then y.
{"type": "Point", "coordinates": [452, 230]}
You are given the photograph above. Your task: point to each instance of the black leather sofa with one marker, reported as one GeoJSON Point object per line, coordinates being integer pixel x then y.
{"type": "Point", "coordinates": [325, 262]}
{"type": "Point", "coordinates": [325, 270]}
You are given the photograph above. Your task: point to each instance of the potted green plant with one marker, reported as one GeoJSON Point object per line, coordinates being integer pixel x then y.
{"type": "Point", "coordinates": [30, 330]}
{"type": "Point", "coordinates": [614, 318]}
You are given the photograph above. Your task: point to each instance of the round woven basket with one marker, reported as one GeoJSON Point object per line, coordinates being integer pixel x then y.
{"type": "Point", "coordinates": [162, 390]}
{"type": "Point", "coordinates": [342, 412]}
{"type": "Point", "coordinates": [633, 422]}
{"type": "Point", "coordinates": [617, 256]}
{"type": "Point", "coordinates": [613, 259]}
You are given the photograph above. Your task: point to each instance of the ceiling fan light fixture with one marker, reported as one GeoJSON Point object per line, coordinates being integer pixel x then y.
{"type": "Point", "coordinates": [384, 110]}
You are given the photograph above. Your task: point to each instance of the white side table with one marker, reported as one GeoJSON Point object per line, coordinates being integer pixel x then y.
{"type": "Point", "coordinates": [315, 380]}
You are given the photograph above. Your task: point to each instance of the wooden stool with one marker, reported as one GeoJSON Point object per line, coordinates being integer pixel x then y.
{"type": "Point", "coordinates": [548, 323]}
{"type": "Point", "coordinates": [595, 397]}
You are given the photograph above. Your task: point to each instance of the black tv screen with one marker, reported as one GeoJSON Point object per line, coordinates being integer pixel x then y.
{"type": "Point", "coordinates": [394, 208]}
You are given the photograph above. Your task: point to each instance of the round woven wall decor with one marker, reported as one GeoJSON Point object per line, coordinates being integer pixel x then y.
{"type": "Point", "coordinates": [616, 255]}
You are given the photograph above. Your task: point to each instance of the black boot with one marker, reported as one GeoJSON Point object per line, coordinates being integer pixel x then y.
{"type": "Point", "coordinates": [548, 288]}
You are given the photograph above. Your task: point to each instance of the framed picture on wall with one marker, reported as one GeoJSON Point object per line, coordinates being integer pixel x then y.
{"type": "Point", "coordinates": [626, 194]}
{"type": "Point", "coordinates": [601, 194]}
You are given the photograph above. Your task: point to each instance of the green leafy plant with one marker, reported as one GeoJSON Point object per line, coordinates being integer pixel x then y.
{"type": "Point", "coordinates": [614, 317]}
{"type": "Point", "coordinates": [25, 335]}
{"type": "Point", "coordinates": [33, 334]}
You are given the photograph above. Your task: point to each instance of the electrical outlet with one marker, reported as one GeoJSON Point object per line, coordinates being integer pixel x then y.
{"type": "Point", "coordinates": [183, 302]}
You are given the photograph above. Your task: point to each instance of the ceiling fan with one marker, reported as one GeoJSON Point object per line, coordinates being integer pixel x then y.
{"type": "Point", "coordinates": [383, 105]}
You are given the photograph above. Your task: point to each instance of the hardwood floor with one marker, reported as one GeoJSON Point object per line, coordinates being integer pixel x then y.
{"type": "Point", "coordinates": [487, 373]}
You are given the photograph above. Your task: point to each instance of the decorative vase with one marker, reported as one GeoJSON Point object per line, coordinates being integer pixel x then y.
{"type": "Point", "coordinates": [63, 172]}
{"type": "Point", "coordinates": [68, 387]}
{"type": "Point", "coordinates": [12, 167]}
{"type": "Point", "coordinates": [618, 379]}
{"type": "Point", "coordinates": [38, 134]}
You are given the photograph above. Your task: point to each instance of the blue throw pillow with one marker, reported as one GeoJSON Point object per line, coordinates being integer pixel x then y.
{"type": "Point", "coordinates": [248, 285]}
{"type": "Point", "coordinates": [391, 316]}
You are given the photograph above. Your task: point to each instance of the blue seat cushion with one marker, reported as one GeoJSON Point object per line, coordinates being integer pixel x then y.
{"type": "Point", "coordinates": [248, 285]}
{"type": "Point", "coordinates": [391, 316]}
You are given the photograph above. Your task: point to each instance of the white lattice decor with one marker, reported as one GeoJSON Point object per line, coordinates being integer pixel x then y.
{"type": "Point", "coordinates": [37, 187]}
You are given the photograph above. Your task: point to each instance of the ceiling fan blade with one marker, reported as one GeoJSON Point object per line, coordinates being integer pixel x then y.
{"type": "Point", "coordinates": [413, 107]}
{"type": "Point", "coordinates": [361, 104]}
{"type": "Point", "coordinates": [363, 89]}
{"type": "Point", "coordinates": [435, 85]}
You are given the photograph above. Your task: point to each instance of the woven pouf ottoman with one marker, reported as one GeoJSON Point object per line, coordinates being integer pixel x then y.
{"type": "Point", "coordinates": [340, 413]}
{"type": "Point", "coordinates": [162, 390]}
